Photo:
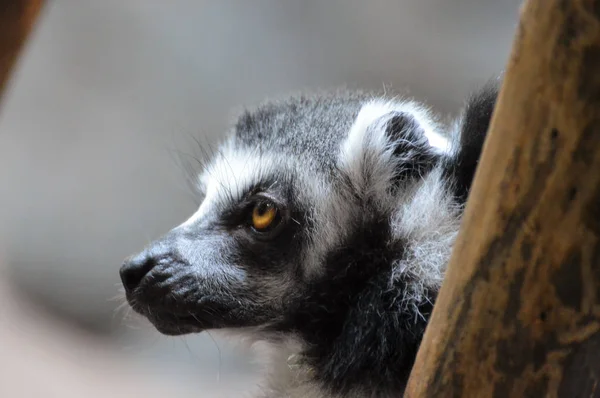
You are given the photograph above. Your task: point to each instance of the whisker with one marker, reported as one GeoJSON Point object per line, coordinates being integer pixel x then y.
{"type": "Point", "coordinates": [220, 355]}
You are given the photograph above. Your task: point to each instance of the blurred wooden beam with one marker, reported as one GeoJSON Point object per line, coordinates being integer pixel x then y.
{"type": "Point", "coordinates": [519, 312]}
{"type": "Point", "coordinates": [17, 18]}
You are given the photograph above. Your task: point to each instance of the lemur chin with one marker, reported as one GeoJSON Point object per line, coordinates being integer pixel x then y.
{"type": "Point", "coordinates": [324, 231]}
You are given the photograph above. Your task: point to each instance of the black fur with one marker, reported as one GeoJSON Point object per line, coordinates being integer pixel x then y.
{"type": "Point", "coordinates": [352, 319]}
{"type": "Point", "coordinates": [473, 128]}
{"type": "Point", "coordinates": [411, 147]}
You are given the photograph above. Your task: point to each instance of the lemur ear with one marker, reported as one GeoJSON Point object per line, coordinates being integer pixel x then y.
{"type": "Point", "coordinates": [416, 147]}
{"type": "Point", "coordinates": [390, 143]}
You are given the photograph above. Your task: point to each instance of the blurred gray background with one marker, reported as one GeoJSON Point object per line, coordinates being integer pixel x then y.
{"type": "Point", "coordinates": [107, 92]}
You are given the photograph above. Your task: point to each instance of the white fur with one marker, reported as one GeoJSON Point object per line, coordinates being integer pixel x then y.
{"type": "Point", "coordinates": [428, 221]}
{"type": "Point", "coordinates": [377, 108]}
{"type": "Point", "coordinates": [229, 175]}
{"type": "Point", "coordinates": [425, 215]}
{"type": "Point", "coordinates": [366, 156]}
{"type": "Point", "coordinates": [332, 214]}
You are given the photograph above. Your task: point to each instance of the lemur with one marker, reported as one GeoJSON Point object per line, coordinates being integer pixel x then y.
{"type": "Point", "coordinates": [325, 227]}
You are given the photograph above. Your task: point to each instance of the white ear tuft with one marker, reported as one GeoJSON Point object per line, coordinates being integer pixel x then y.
{"type": "Point", "coordinates": [386, 138]}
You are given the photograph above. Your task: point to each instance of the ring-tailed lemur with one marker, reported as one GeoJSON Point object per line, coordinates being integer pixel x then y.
{"type": "Point", "coordinates": [325, 228]}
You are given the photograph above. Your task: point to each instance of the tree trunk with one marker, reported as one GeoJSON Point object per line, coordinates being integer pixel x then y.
{"type": "Point", "coordinates": [17, 17]}
{"type": "Point", "coordinates": [519, 311]}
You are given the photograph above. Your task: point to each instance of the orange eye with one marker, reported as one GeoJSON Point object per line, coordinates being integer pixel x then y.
{"type": "Point", "coordinates": [263, 215]}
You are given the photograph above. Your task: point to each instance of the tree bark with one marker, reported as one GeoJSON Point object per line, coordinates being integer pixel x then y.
{"type": "Point", "coordinates": [17, 18]}
{"type": "Point", "coordinates": [519, 311]}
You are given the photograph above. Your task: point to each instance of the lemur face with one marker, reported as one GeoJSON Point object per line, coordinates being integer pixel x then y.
{"type": "Point", "coordinates": [308, 201]}
{"type": "Point", "coordinates": [234, 261]}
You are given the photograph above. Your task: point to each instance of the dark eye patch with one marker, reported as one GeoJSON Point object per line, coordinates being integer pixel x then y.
{"type": "Point", "coordinates": [236, 214]}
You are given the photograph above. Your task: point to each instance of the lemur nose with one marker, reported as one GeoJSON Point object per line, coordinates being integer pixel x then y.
{"type": "Point", "coordinates": [134, 269]}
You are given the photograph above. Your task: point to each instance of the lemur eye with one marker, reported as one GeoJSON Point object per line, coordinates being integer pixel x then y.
{"type": "Point", "coordinates": [264, 215]}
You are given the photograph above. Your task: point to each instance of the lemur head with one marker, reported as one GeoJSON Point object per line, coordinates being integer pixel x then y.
{"type": "Point", "coordinates": [328, 218]}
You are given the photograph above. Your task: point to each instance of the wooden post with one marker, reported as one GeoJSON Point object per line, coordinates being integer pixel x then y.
{"type": "Point", "coordinates": [17, 18]}
{"type": "Point", "coordinates": [519, 311]}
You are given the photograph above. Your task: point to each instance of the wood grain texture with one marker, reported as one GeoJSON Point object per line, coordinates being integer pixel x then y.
{"type": "Point", "coordinates": [17, 17]}
{"type": "Point", "coordinates": [519, 312]}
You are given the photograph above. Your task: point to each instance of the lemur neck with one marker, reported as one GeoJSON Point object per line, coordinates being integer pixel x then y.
{"type": "Point", "coordinates": [375, 347]}
{"type": "Point", "coordinates": [359, 333]}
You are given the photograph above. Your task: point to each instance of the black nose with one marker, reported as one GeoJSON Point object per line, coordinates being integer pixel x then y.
{"type": "Point", "coordinates": [134, 269]}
